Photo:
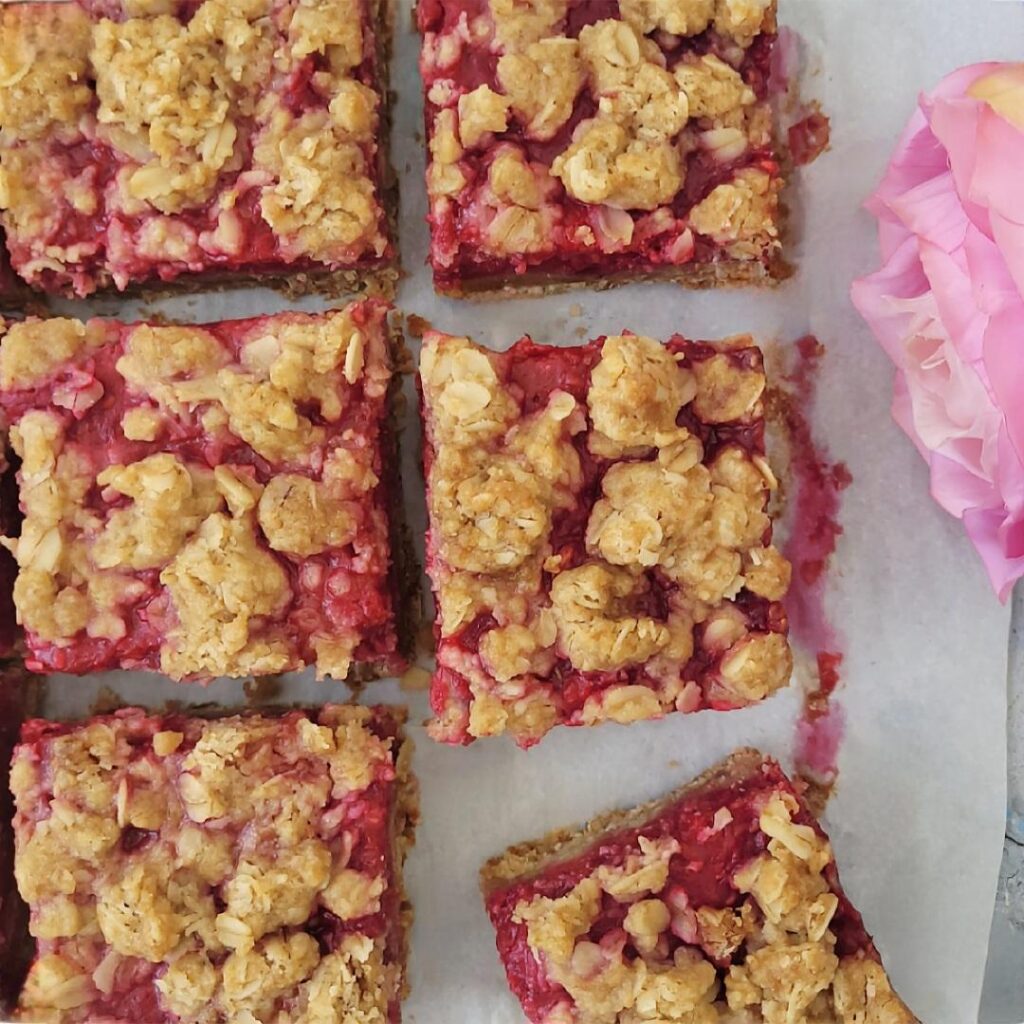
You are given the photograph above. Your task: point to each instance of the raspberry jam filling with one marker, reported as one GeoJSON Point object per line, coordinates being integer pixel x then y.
{"type": "Point", "coordinates": [169, 774]}
{"type": "Point", "coordinates": [96, 231]}
{"type": "Point", "coordinates": [462, 248]}
{"type": "Point", "coordinates": [333, 585]}
{"type": "Point", "coordinates": [709, 853]}
{"type": "Point", "coordinates": [533, 376]}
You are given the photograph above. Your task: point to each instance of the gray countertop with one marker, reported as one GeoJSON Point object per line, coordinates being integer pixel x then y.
{"type": "Point", "coordinates": [1002, 1000]}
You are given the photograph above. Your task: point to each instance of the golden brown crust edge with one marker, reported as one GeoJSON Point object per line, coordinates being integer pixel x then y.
{"type": "Point", "coordinates": [716, 275]}
{"type": "Point", "coordinates": [404, 582]}
{"type": "Point", "coordinates": [405, 568]}
{"type": "Point", "coordinates": [529, 858]}
{"type": "Point", "coordinates": [405, 818]}
{"type": "Point", "coordinates": [383, 282]}
{"type": "Point", "coordinates": [349, 284]}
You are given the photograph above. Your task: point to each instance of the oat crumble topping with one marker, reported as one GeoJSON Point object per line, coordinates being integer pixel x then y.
{"type": "Point", "coordinates": [723, 906]}
{"type": "Point", "coordinates": [737, 215]}
{"type": "Point", "coordinates": [203, 500]}
{"type": "Point", "coordinates": [238, 869]}
{"type": "Point", "coordinates": [653, 128]}
{"type": "Point", "coordinates": [599, 543]}
{"type": "Point", "coordinates": [242, 135]}
{"type": "Point", "coordinates": [541, 83]}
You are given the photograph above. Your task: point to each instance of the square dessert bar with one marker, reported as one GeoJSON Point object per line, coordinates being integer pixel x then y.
{"type": "Point", "coordinates": [721, 902]}
{"type": "Point", "coordinates": [230, 870]}
{"type": "Point", "coordinates": [217, 500]}
{"type": "Point", "coordinates": [593, 141]}
{"type": "Point", "coordinates": [599, 544]}
{"type": "Point", "coordinates": [222, 140]}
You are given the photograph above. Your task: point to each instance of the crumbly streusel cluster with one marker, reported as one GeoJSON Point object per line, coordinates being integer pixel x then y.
{"type": "Point", "coordinates": [771, 957]}
{"type": "Point", "coordinates": [171, 137]}
{"type": "Point", "coordinates": [507, 154]}
{"type": "Point", "coordinates": [186, 860]}
{"type": "Point", "coordinates": [671, 518]}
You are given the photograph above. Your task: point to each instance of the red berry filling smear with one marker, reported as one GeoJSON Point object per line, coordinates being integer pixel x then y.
{"type": "Point", "coordinates": [723, 899]}
{"type": "Point", "coordinates": [598, 544]}
{"type": "Point", "coordinates": [577, 140]}
{"type": "Point", "coordinates": [226, 140]}
{"type": "Point", "coordinates": [205, 500]}
{"type": "Point", "coordinates": [245, 868]}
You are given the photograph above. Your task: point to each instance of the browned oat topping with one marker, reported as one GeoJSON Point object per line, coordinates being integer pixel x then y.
{"type": "Point", "coordinates": [214, 871]}
{"type": "Point", "coordinates": [673, 529]}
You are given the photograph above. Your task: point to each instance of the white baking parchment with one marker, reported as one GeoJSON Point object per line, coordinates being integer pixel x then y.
{"type": "Point", "coordinates": [917, 817]}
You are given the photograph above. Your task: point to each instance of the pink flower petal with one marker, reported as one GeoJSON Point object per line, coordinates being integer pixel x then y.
{"type": "Point", "coordinates": [1004, 364]}
{"type": "Point", "coordinates": [997, 166]}
{"type": "Point", "coordinates": [947, 305]}
{"type": "Point", "coordinates": [877, 297]}
{"type": "Point", "coordinates": [957, 490]}
{"type": "Point", "coordinates": [919, 155]}
{"type": "Point", "coordinates": [1009, 478]}
{"type": "Point", "coordinates": [987, 265]}
{"type": "Point", "coordinates": [903, 414]}
{"type": "Point", "coordinates": [955, 123]}
{"type": "Point", "coordinates": [953, 290]}
{"type": "Point", "coordinates": [1009, 237]}
{"type": "Point", "coordinates": [984, 527]}
{"type": "Point", "coordinates": [933, 211]}
{"type": "Point", "coordinates": [957, 83]}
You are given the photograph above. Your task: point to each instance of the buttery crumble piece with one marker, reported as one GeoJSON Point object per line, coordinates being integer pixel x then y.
{"type": "Point", "coordinates": [599, 543]}
{"type": "Point", "coordinates": [215, 871]}
{"type": "Point", "coordinates": [720, 902]}
{"type": "Point", "coordinates": [234, 519]}
{"type": "Point", "coordinates": [604, 165]}
{"type": "Point", "coordinates": [170, 138]}
{"type": "Point", "coordinates": [678, 17]}
{"type": "Point", "coordinates": [647, 129]}
{"type": "Point", "coordinates": [739, 215]}
{"type": "Point", "coordinates": [541, 83]}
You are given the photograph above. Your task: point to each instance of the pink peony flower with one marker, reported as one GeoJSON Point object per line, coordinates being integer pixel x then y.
{"type": "Point", "coordinates": [948, 303]}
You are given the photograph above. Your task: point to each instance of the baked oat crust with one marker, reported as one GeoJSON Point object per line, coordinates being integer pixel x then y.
{"type": "Point", "coordinates": [716, 275]}
{"type": "Point", "coordinates": [532, 857]}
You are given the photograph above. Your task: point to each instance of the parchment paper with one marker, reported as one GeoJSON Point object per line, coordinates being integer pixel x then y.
{"type": "Point", "coordinates": [917, 820]}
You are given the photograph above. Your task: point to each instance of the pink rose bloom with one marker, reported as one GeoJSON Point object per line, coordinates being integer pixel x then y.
{"type": "Point", "coordinates": [948, 302]}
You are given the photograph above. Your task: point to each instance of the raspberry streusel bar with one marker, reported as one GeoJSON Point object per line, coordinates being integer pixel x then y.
{"type": "Point", "coordinates": [599, 545]}
{"type": "Point", "coordinates": [216, 500]}
{"type": "Point", "coordinates": [720, 902]}
{"type": "Point", "coordinates": [217, 140]}
{"type": "Point", "coordinates": [237, 869]}
{"type": "Point", "coordinates": [593, 141]}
